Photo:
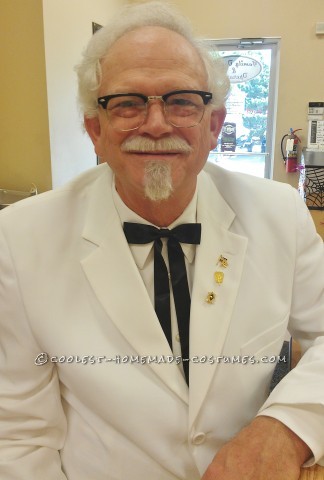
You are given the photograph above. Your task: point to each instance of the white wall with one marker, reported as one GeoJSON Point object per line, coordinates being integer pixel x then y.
{"type": "Point", "coordinates": [67, 29]}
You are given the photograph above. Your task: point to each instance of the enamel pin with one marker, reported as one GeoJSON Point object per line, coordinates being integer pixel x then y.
{"type": "Point", "coordinates": [223, 261]}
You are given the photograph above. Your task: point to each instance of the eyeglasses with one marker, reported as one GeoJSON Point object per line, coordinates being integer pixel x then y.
{"type": "Point", "coordinates": [182, 108]}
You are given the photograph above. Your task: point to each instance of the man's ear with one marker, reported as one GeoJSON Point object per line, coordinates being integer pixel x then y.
{"type": "Point", "coordinates": [216, 122]}
{"type": "Point", "coordinates": [92, 126]}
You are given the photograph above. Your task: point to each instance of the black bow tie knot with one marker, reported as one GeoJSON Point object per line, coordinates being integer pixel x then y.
{"type": "Point", "coordinates": [138, 233]}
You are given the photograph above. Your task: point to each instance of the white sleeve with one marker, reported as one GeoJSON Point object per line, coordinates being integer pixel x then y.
{"type": "Point", "coordinates": [298, 400]}
{"type": "Point", "coordinates": [32, 421]}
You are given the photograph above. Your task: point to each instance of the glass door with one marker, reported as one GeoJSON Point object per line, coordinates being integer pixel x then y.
{"type": "Point", "coordinates": [246, 140]}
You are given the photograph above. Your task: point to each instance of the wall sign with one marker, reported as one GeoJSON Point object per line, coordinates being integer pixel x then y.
{"type": "Point", "coordinates": [242, 69]}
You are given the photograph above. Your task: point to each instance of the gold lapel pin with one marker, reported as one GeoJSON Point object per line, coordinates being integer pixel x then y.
{"type": "Point", "coordinates": [219, 277]}
{"type": "Point", "coordinates": [223, 261]}
{"type": "Point", "coordinates": [210, 297]}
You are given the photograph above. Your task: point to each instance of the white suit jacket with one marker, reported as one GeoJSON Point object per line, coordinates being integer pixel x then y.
{"type": "Point", "coordinates": [110, 404]}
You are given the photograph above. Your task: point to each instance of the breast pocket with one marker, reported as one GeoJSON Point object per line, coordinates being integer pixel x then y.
{"type": "Point", "coordinates": [268, 342]}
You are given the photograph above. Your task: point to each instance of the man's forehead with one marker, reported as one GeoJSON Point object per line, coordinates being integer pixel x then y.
{"type": "Point", "coordinates": [155, 42]}
{"type": "Point", "coordinates": [156, 51]}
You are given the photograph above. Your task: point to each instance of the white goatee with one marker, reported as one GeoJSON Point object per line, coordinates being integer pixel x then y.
{"type": "Point", "coordinates": [157, 181]}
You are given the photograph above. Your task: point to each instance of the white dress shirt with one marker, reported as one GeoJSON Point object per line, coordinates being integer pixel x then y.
{"type": "Point", "coordinates": [144, 257]}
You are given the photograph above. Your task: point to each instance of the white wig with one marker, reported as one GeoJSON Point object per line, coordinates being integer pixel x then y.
{"type": "Point", "coordinates": [132, 17]}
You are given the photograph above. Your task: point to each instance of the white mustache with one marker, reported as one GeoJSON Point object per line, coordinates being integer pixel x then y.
{"type": "Point", "coordinates": [145, 144]}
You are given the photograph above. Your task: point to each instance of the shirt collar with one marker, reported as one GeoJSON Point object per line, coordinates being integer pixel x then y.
{"type": "Point", "coordinates": [141, 252]}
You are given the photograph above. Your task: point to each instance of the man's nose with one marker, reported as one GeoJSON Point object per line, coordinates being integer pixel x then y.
{"type": "Point", "coordinates": [155, 123]}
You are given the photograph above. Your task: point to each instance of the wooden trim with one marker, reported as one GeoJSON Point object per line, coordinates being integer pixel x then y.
{"type": "Point", "coordinates": [312, 473]}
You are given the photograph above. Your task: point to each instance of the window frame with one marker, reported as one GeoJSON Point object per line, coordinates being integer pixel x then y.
{"type": "Point", "coordinates": [273, 43]}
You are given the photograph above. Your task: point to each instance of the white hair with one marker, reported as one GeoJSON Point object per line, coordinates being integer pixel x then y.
{"type": "Point", "coordinates": [132, 17]}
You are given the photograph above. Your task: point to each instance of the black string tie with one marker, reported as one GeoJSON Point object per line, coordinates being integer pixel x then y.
{"type": "Point", "coordinates": [138, 233]}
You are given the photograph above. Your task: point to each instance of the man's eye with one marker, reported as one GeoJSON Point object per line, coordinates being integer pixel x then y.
{"type": "Point", "coordinates": [125, 103]}
{"type": "Point", "coordinates": [128, 104]}
{"type": "Point", "coordinates": [181, 102]}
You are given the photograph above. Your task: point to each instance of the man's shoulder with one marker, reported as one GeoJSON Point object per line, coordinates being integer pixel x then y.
{"type": "Point", "coordinates": [254, 201]}
{"type": "Point", "coordinates": [58, 208]}
{"type": "Point", "coordinates": [61, 197]}
{"type": "Point", "coordinates": [220, 176]}
{"type": "Point", "coordinates": [240, 190]}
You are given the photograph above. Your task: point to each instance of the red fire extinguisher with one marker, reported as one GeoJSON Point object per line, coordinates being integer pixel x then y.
{"type": "Point", "coordinates": [292, 141]}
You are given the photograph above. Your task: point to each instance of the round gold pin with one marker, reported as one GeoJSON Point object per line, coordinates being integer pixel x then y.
{"type": "Point", "coordinates": [210, 297]}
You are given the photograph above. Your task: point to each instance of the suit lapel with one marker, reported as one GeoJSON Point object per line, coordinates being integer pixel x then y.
{"type": "Point", "coordinates": [109, 265]}
{"type": "Point", "coordinates": [210, 321]}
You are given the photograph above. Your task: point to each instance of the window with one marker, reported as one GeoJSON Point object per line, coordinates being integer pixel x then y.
{"type": "Point", "coordinates": [246, 140]}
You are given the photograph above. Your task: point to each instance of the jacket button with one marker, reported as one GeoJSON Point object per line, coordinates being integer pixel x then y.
{"type": "Point", "coordinates": [199, 438]}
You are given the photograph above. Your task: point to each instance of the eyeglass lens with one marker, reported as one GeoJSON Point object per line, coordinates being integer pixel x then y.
{"type": "Point", "coordinates": [128, 112]}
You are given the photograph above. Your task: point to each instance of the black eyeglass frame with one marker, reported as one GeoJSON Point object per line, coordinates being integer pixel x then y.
{"type": "Point", "coordinates": [103, 101]}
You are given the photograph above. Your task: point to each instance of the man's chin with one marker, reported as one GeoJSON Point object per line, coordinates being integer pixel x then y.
{"type": "Point", "coordinates": [158, 195]}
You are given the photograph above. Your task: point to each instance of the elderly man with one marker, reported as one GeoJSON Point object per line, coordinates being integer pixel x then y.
{"type": "Point", "coordinates": [101, 376]}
